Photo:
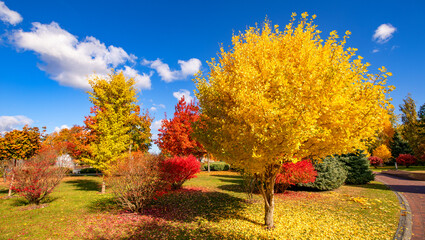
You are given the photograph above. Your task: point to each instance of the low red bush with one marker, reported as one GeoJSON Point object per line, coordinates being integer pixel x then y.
{"type": "Point", "coordinates": [37, 177]}
{"type": "Point", "coordinates": [293, 173]}
{"type": "Point", "coordinates": [177, 170]}
{"type": "Point", "coordinates": [375, 161]}
{"type": "Point", "coordinates": [406, 159]}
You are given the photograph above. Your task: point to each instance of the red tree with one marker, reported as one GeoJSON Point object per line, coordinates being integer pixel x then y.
{"type": "Point", "coordinates": [177, 170]}
{"type": "Point", "coordinates": [175, 134]}
{"type": "Point", "coordinates": [375, 161]}
{"type": "Point", "coordinates": [293, 173]}
{"type": "Point", "coordinates": [406, 159]}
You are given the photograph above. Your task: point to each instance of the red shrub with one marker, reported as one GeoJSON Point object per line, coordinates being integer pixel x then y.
{"type": "Point", "coordinates": [375, 161]}
{"type": "Point", "coordinates": [293, 173]}
{"type": "Point", "coordinates": [37, 177]}
{"type": "Point", "coordinates": [406, 159]}
{"type": "Point", "coordinates": [177, 170]}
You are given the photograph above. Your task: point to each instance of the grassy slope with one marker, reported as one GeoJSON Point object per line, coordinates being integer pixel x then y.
{"type": "Point", "coordinates": [211, 206]}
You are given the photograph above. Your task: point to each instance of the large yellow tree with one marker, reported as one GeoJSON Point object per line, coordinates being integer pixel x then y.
{"type": "Point", "coordinates": [280, 96]}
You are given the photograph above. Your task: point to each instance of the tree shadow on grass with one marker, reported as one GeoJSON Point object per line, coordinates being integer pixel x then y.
{"type": "Point", "coordinates": [183, 214]}
{"type": "Point", "coordinates": [104, 204]}
{"type": "Point", "coordinates": [20, 201]}
{"type": "Point", "coordinates": [85, 184]}
{"type": "Point", "coordinates": [189, 205]}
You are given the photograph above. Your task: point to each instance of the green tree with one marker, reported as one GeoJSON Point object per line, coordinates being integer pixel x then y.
{"type": "Point", "coordinates": [399, 146]}
{"type": "Point", "coordinates": [357, 166]}
{"type": "Point", "coordinates": [117, 123]}
{"type": "Point", "coordinates": [421, 133]}
{"type": "Point", "coordinates": [409, 127]}
{"type": "Point", "coordinates": [282, 96]}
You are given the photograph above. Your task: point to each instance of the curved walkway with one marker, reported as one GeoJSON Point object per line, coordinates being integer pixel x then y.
{"type": "Point", "coordinates": [414, 192]}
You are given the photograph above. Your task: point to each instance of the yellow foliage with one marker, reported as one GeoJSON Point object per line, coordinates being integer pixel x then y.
{"type": "Point", "coordinates": [382, 152]}
{"type": "Point", "coordinates": [117, 123]}
{"type": "Point", "coordinates": [279, 96]}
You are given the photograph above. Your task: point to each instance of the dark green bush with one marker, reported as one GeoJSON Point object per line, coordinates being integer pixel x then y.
{"type": "Point", "coordinates": [89, 170]}
{"type": "Point", "coordinates": [216, 166]}
{"type": "Point", "coordinates": [357, 166]}
{"type": "Point", "coordinates": [331, 174]}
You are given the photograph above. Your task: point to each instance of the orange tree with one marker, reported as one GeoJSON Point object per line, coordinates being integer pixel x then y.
{"type": "Point", "coordinates": [282, 96]}
{"type": "Point", "coordinates": [74, 141]}
{"type": "Point", "coordinates": [19, 145]}
{"type": "Point", "coordinates": [175, 134]}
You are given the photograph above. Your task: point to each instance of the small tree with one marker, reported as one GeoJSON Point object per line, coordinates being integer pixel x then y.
{"type": "Point", "coordinates": [177, 170]}
{"type": "Point", "coordinates": [294, 173]}
{"type": "Point", "coordinates": [19, 145]}
{"type": "Point", "coordinates": [36, 178]}
{"type": "Point", "coordinates": [331, 174]}
{"type": "Point", "coordinates": [357, 166]}
{"type": "Point", "coordinates": [406, 160]}
{"type": "Point", "coordinates": [399, 146]}
{"type": "Point", "coordinates": [174, 138]}
{"type": "Point", "coordinates": [383, 153]}
{"type": "Point", "coordinates": [375, 161]}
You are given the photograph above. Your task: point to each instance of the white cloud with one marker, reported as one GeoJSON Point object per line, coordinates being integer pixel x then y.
{"type": "Point", "coordinates": [58, 129]}
{"type": "Point", "coordinates": [142, 81]}
{"type": "Point", "coordinates": [187, 68]}
{"type": "Point", "coordinates": [9, 16]}
{"type": "Point", "coordinates": [375, 50]}
{"type": "Point", "coordinates": [157, 106]}
{"type": "Point", "coordinates": [181, 93]}
{"type": "Point", "coordinates": [384, 33]}
{"type": "Point", "coordinates": [8, 123]}
{"type": "Point", "coordinates": [156, 125]}
{"type": "Point", "coordinates": [70, 61]}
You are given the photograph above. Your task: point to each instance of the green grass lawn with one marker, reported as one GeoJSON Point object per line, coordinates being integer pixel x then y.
{"type": "Point", "coordinates": [211, 206]}
{"type": "Point", "coordinates": [420, 169]}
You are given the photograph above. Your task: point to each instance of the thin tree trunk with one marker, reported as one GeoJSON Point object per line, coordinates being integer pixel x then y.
{"type": "Point", "coordinates": [103, 184]}
{"type": "Point", "coordinates": [13, 178]}
{"type": "Point", "coordinates": [208, 160]}
{"type": "Point", "coordinates": [11, 185]}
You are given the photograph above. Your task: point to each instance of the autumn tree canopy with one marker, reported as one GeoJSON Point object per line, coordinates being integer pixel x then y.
{"type": "Point", "coordinates": [20, 144]}
{"type": "Point", "coordinates": [117, 123]}
{"type": "Point", "coordinates": [175, 134]}
{"type": "Point", "coordinates": [281, 96]}
{"type": "Point", "coordinates": [74, 141]}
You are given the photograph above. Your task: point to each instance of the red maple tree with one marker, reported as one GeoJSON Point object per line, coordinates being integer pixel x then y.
{"type": "Point", "coordinates": [175, 137]}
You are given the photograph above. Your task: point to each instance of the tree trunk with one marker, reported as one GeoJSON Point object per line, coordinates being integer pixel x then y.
{"type": "Point", "coordinates": [103, 185]}
{"type": "Point", "coordinates": [269, 209]}
{"type": "Point", "coordinates": [267, 191]}
{"type": "Point", "coordinates": [13, 178]}
{"type": "Point", "coordinates": [11, 185]}
{"type": "Point", "coordinates": [208, 160]}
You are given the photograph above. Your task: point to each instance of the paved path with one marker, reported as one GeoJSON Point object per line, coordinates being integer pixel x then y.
{"type": "Point", "coordinates": [414, 192]}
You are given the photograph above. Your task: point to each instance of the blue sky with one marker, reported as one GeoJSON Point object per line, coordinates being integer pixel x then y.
{"type": "Point", "coordinates": [48, 48]}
